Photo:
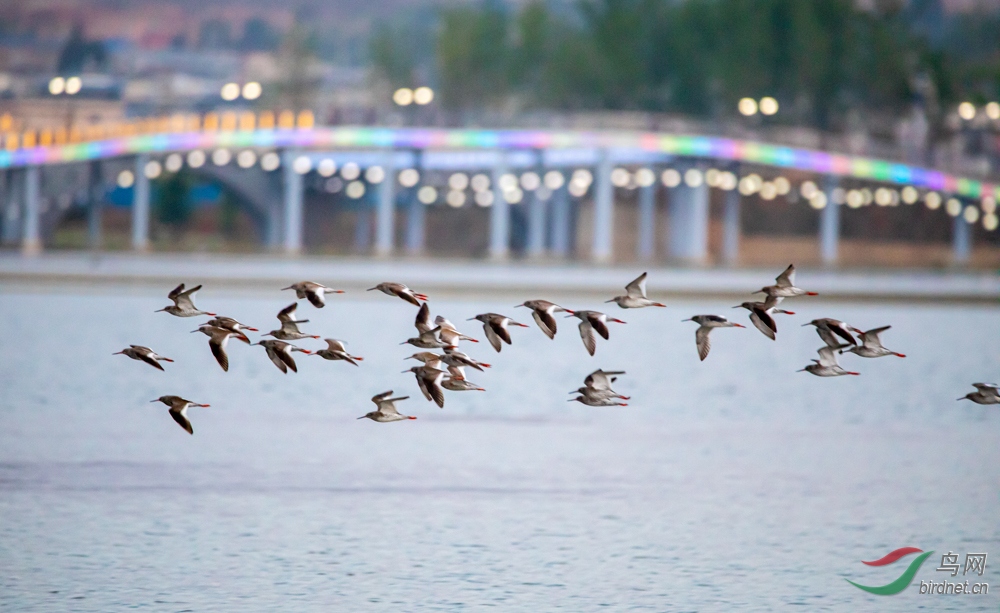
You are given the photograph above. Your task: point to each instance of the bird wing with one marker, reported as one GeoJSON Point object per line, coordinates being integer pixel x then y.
{"type": "Point", "coordinates": [185, 299]}
{"type": "Point", "coordinates": [290, 326]}
{"type": "Point", "coordinates": [218, 346]}
{"type": "Point", "coordinates": [423, 319]}
{"type": "Point", "coordinates": [286, 357]}
{"type": "Point", "coordinates": [787, 278]}
{"type": "Point", "coordinates": [430, 335]}
{"type": "Point", "coordinates": [771, 301]}
{"type": "Point", "coordinates": [448, 335]}
{"type": "Point", "coordinates": [702, 341]}
{"type": "Point", "coordinates": [180, 417]}
{"type": "Point", "coordinates": [388, 407]}
{"type": "Point", "coordinates": [600, 326]}
{"type": "Point", "coordinates": [433, 362]}
{"type": "Point", "coordinates": [637, 288]}
{"type": "Point", "coordinates": [987, 388]}
{"type": "Point", "coordinates": [763, 321]}
{"type": "Point", "coordinates": [433, 386]}
{"type": "Point", "coordinates": [589, 336]}
{"type": "Point", "coordinates": [499, 326]}
{"type": "Point", "coordinates": [315, 296]}
{"type": "Point", "coordinates": [174, 293]}
{"type": "Point", "coordinates": [288, 313]}
{"type": "Point", "coordinates": [871, 337]}
{"type": "Point", "coordinates": [492, 337]}
{"type": "Point", "coordinates": [601, 379]}
{"type": "Point", "coordinates": [378, 398]}
{"type": "Point", "coordinates": [336, 345]}
{"type": "Point", "coordinates": [828, 337]}
{"type": "Point", "coordinates": [458, 372]}
{"type": "Point", "coordinates": [276, 358]}
{"type": "Point", "coordinates": [423, 386]}
{"type": "Point", "coordinates": [827, 355]}
{"type": "Point", "coordinates": [145, 357]}
{"type": "Point", "coordinates": [407, 294]}
{"type": "Point", "coordinates": [546, 322]}
{"type": "Point", "coordinates": [839, 330]}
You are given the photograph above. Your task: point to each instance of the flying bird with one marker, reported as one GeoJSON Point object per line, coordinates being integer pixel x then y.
{"type": "Point", "coordinates": [597, 385]}
{"type": "Point", "coordinates": [289, 330]}
{"type": "Point", "coordinates": [761, 315]}
{"type": "Point", "coordinates": [635, 295]}
{"type": "Point", "coordinates": [386, 410]}
{"type": "Point", "coordinates": [986, 393]}
{"type": "Point", "coordinates": [596, 401]}
{"type": "Point", "coordinates": [313, 292]}
{"type": "Point", "coordinates": [337, 351]}
{"type": "Point", "coordinates": [871, 345]}
{"type": "Point", "coordinates": [231, 324]}
{"type": "Point", "coordinates": [280, 353]}
{"type": "Point", "coordinates": [183, 305]}
{"type": "Point", "coordinates": [593, 323]}
{"type": "Point", "coordinates": [400, 290]}
{"type": "Point", "coordinates": [144, 354]}
{"type": "Point", "coordinates": [827, 365]}
{"type": "Point", "coordinates": [784, 286]}
{"type": "Point", "coordinates": [429, 379]}
{"type": "Point", "coordinates": [178, 410]}
{"type": "Point", "coordinates": [495, 326]}
{"type": "Point", "coordinates": [457, 382]}
{"type": "Point", "coordinates": [454, 357]}
{"type": "Point", "coordinates": [829, 329]}
{"type": "Point", "coordinates": [427, 340]}
{"type": "Point", "coordinates": [541, 311]}
{"type": "Point", "coordinates": [707, 323]}
{"type": "Point", "coordinates": [449, 333]}
{"type": "Point", "coordinates": [218, 338]}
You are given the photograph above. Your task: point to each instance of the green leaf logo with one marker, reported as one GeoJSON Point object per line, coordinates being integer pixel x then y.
{"type": "Point", "coordinates": [903, 581]}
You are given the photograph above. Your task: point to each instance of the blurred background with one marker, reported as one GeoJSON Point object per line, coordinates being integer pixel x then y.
{"type": "Point", "coordinates": [851, 133]}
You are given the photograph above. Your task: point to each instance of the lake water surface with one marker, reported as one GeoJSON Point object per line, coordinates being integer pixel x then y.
{"type": "Point", "coordinates": [733, 484]}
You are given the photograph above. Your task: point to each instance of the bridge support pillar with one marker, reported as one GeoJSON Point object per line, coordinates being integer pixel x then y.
{"type": "Point", "coordinates": [363, 228]}
{"type": "Point", "coordinates": [829, 225]}
{"type": "Point", "coordinates": [95, 206]}
{"type": "Point", "coordinates": [31, 238]}
{"type": "Point", "coordinates": [414, 224]}
{"type": "Point", "coordinates": [272, 236]}
{"type": "Point", "coordinates": [140, 205]}
{"type": "Point", "coordinates": [561, 221]}
{"type": "Point", "coordinates": [961, 241]}
{"type": "Point", "coordinates": [537, 214]}
{"type": "Point", "coordinates": [646, 247]}
{"type": "Point", "coordinates": [293, 193]}
{"type": "Point", "coordinates": [11, 208]}
{"type": "Point", "coordinates": [499, 214]}
{"type": "Point", "coordinates": [689, 222]}
{"type": "Point", "coordinates": [731, 228]}
{"type": "Point", "coordinates": [604, 210]}
{"type": "Point", "coordinates": [385, 215]}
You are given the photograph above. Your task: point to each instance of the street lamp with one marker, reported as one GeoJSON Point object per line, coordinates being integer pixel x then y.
{"type": "Point", "coordinates": [768, 106]}
{"type": "Point", "coordinates": [403, 96]}
{"type": "Point", "coordinates": [232, 91]}
{"type": "Point", "coordinates": [423, 95]}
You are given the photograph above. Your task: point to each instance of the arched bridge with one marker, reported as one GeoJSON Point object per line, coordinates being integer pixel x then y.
{"type": "Point", "coordinates": [684, 165]}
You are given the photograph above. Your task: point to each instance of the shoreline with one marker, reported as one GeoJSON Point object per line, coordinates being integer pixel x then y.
{"type": "Point", "coordinates": [476, 277]}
